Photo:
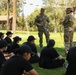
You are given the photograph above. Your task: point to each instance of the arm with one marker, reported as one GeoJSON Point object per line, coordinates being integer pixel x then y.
{"type": "Point", "coordinates": [38, 22]}
{"type": "Point", "coordinates": [59, 57]}
{"type": "Point", "coordinates": [33, 72]}
{"type": "Point", "coordinates": [65, 20]}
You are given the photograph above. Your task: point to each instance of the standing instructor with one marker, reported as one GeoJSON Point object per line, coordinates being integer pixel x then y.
{"type": "Point", "coordinates": [42, 22]}
{"type": "Point", "coordinates": [68, 29]}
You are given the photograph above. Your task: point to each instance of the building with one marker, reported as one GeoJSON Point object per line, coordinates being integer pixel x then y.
{"type": "Point", "coordinates": [3, 22]}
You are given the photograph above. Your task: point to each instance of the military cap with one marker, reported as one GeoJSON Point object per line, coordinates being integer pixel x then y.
{"type": "Point", "coordinates": [9, 33]}
{"type": "Point", "coordinates": [30, 38]}
{"type": "Point", "coordinates": [42, 9]}
{"type": "Point", "coordinates": [70, 9]}
{"type": "Point", "coordinates": [16, 38]}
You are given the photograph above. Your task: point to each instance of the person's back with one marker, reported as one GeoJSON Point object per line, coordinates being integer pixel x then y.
{"type": "Point", "coordinates": [47, 55]}
{"type": "Point", "coordinates": [71, 56]}
{"type": "Point", "coordinates": [49, 58]}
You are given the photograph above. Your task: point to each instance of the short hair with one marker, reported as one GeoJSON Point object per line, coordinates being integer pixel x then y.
{"type": "Point", "coordinates": [51, 43]}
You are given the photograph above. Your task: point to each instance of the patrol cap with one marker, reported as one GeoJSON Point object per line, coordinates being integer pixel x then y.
{"type": "Point", "coordinates": [16, 38]}
{"type": "Point", "coordinates": [24, 49]}
{"type": "Point", "coordinates": [9, 32]}
{"type": "Point", "coordinates": [70, 9]}
{"type": "Point", "coordinates": [30, 38]}
{"type": "Point", "coordinates": [3, 43]}
{"type": "Point", "coordinates": [42, 9]}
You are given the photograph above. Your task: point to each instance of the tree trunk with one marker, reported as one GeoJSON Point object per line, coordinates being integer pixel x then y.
{"type": "Point", "coordinates": [7, 26]}
{"type": "Point", "coordinates": [14, 16]}
{"type": "Point", "coordinates": [74, 3]}
{"type": "Point", "coordinates": [55, 27]}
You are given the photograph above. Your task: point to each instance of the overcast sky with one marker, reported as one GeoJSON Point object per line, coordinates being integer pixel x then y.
{"type": "Point", "coordinates": [31, 5]}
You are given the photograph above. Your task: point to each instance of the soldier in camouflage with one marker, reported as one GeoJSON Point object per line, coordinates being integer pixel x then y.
{"type": "Point", "coordinates": [68, 29]}
{"type": "Point", "coordinates": [42, 22]}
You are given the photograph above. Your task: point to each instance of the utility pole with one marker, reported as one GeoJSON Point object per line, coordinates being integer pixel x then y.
{"type": "Point", "coordinates": [14, 16]}
{"type": "Point", "coordinates": [8, 4]}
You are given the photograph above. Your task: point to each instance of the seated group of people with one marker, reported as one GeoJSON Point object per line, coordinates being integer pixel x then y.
{"type": "Point", "coordinates": [21, 57]}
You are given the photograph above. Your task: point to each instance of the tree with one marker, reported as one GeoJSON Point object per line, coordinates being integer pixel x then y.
{"type": "Point", "coordinates": [57, 7]}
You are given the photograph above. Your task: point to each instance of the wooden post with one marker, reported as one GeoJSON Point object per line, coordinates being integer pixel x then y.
{"type": "Point", "coordinates": [8, 4]}
{"type": "Point", "coordinates": [74, 3]}
{"type": "Point", "coordinates": [14, 16]}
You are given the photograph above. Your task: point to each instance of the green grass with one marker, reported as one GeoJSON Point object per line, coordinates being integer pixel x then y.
{"type": "Point", "coordinates": [59, 47]}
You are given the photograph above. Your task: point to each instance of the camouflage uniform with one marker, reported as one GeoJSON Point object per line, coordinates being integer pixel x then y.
{"type": "Point", "coordinates": [42, 22]}
{"type": "Point", "coordinates": [68, 31]}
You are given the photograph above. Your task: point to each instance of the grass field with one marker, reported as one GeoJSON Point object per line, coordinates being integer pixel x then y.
{"type": "Point", "coordinates": [59, 47]}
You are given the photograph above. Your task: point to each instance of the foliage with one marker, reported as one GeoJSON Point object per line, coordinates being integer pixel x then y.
{"type": "Point", "coordinates": [55, 10]}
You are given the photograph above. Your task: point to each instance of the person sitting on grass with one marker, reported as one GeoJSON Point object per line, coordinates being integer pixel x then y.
{"type": "Point", "coordinates": [31, 43]}
{"type": "Point", "coordinates": [8, 39]}
{"type": "Point", "coordinates": [3, 47]}
{"type": "Point", "coordinates": [49, 58]}
{"type": "Point", "coordinates": [18, 64]}
{"type": "Point", "coordinates": [15, 44]}
{"type": "Point", "coordinates": [71, 58]}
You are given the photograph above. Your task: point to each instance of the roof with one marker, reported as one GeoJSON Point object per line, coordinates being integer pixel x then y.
{"type": "Point", "coordinates": [4, 18]}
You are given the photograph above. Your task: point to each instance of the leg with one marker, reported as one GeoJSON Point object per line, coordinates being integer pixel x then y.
{"type": "Point", "coordinates": [40, 34]}
{"type": "Point", "coordinates": [66, 40]}
{"type": "Point", "coordinates": [71, 38]}
{"type": "Point", "coordinates": [55, 63]}
{"type": "Point", "coordinates": [47, 34]}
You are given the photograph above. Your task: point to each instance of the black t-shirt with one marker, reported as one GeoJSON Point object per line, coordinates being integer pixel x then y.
{"type": "Point", "coordinates": [15, 66]}
{"type": "Point", "coordinates": [9, 41]}
{"type": "Point", "coordinates": [32, 46]}
{"type": "Point", "coordinates": [47, 54]}
{"type": "Point", "coordinates": [71, 58]}
{"type": "Point", "coordinates": [13, 47]}
{"type": "Point", "coordinates": [2, 59]}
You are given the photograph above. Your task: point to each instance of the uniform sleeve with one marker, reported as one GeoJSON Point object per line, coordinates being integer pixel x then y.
{"type": "Point", "coordinates": [36, 20]}
{"type": "Point", "coordinates": [65, 20]}
{"type": "Point", "coordinates": [47, 19]}
{"type": "Point", "coordinates": [54, 53]}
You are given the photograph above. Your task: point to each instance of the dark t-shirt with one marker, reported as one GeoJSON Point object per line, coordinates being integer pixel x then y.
{"type": "Point", "coordinates": [13, 47]}
{"type": "Point", "coordinates": [32, 46]}
{"type": "Point", "coordinates": [15, 66]}
{"type": "Point", "coordinates": [9, 41]}
{"type": "Point", "coordinates": [47, 54]}
{"type": "Point", "coordinates": [71, 58]}
{"type": "Point", "coordinates": [2, 59]}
